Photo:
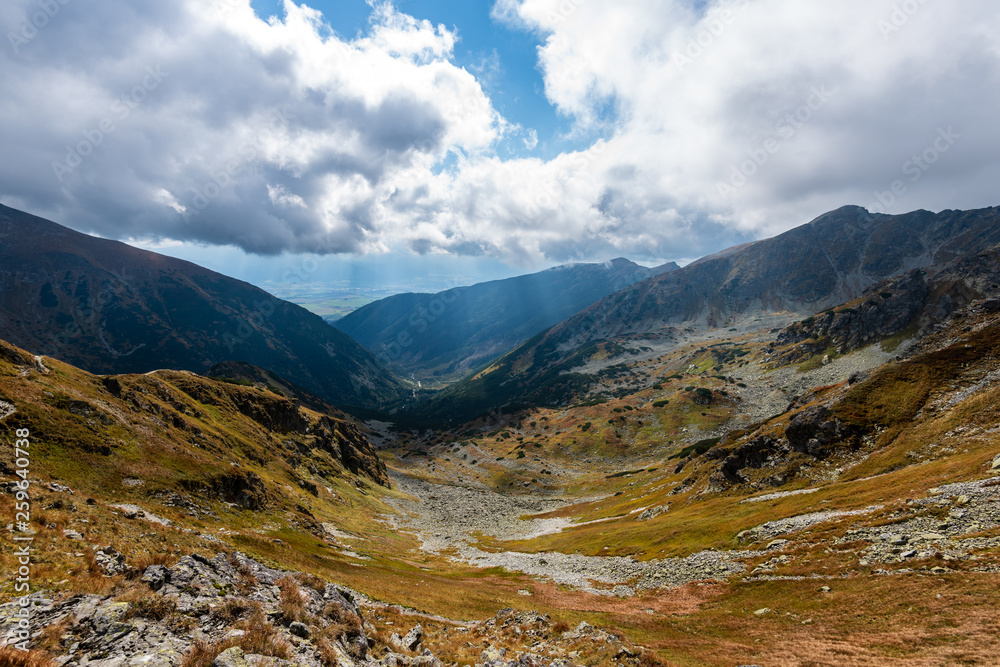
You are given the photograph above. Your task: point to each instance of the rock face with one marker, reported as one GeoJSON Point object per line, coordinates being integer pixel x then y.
{"type": "Point", "coordinates": [916, 300]}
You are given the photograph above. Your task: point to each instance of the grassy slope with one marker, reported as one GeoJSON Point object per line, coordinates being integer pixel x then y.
{"type": "Point", "coordinates": [910, 449]}
{"type": "Point", "coordinates": [867, 619]}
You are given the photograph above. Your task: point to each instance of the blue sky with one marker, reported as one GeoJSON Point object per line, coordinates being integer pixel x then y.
{"type": "Point", "coordinates": [399, 139]}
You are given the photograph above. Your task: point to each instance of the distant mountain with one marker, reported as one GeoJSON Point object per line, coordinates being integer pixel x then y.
{"type": "Point", "coordinates": [448, 334]}
{"type": "Point", "coordinates": [826, 262]}
{"type": "Point", "coordinates": [110, 308]}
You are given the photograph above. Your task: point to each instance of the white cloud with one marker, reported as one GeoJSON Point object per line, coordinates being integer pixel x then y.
{"type": "Point", "coordinates": [732, 121]}
{"type": "Point", "coordinates": [531, 140]}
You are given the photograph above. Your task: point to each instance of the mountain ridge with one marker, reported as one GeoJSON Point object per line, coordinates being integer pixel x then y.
{"type": "Point", "coordinates": [821, 264]}
{"type": "Point", "coordinates": [110, 308]}
{"type": "Point", "coordinates": [450, 333]}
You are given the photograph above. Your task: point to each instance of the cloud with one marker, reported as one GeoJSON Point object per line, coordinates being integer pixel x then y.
{"type": "Point", "coordinates": [720, 122]}
{"type": "Point", "coordinates": [199, 121]}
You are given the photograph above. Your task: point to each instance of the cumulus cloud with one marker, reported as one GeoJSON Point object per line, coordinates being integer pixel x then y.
{"type": "Point", "coordinates": [719, 122]}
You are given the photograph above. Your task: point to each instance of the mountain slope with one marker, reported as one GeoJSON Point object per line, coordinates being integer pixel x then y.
{"type": "Point", "coordinates": [453, 332]}
{"type": "Point", "coordinates": [110, 308]}
{"type": "Point", "coordinates": [826, 262]}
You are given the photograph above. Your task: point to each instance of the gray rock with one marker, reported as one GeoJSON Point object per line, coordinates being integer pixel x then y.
{"type": "Point", "coordinates": [300, 630]}
{"type": "Point", "coordinates": [156, 576]}
{"type": "Point", "coordinates": [109, 616]}
{"type": "Point", "coordinates": [493, 656]}
{"type": "Point", "coordinates": [232, 657]}
{"type": "Point", "coordinates": [413, 638]}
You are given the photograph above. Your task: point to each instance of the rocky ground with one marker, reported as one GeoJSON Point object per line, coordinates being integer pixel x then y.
{"type": "Point", "coordinates": [448, 518]}
{"type": "Point", "coordinates": [232, 611]}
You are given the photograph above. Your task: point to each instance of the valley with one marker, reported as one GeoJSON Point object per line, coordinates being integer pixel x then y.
{"type": "Point", "coordinates": [800, 484]}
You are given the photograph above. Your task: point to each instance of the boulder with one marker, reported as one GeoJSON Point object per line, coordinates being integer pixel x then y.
{"type": "Point", "coordinates": [155, 576]}
{"type": "Point", "coordinates": [231, 657]}
{"type": "Point", "coordinates": [109, 617]}
{"type": "Point", "coordinates": [413, 638]}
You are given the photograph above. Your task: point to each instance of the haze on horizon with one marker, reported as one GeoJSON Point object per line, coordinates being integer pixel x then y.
{"type": "Point", "coordinates": [488, 138]}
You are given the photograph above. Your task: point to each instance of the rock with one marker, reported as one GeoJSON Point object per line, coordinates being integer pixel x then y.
{"type": "Point", "coordinates": [962, 500]}
{"type": "Point", "coordinates": [761, 612]}
{"type": "Point", "coordinates": [300, 630]}
{"type": "Point", "coordinates": [109, 617]}
{"type": "Point", "coordinates": [932, 537]}
{"type": "Point", "coordinates": [413, 638]}
{"type": "Point", "coordinates": [996, 463]}
{"type": "Point", "coordinates": [72, 535]}
{"type": "Point", "coordinates": [653, 512]}
{"type": "Point", "coordinates": [908, 554]}
{"type": "Point", "coordinates": [231, 657]}
{"type": "Point", "coordinates": [825, 589]}
{"type": "Point", "coordinates": [156, 576]}
{"type": "Point", "coordinates": [776, 544]}
{"type": "Point", "coordinates": [492, 656]}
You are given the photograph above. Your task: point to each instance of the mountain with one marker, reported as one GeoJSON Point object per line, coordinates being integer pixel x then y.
{"type": "Point", "coordinates": [811, 268]}
{"type": "Point", "coordinates": [916, 302]}
{"type": "Point", "coordinates": [448, 334]}
{"type": "Point", "coordinates": [110, 308]}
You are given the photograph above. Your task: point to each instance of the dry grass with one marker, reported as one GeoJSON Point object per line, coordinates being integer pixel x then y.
{"type": "Point", "coordinates": [13, 657]}
{"type": "Point", "coordinates": [260, 638]}
{"type": "Point", "coordinates": [233, 609]}
{"type": "Point", "coordinates": [312, 581]}
{"type": "Point", "coordinates": [291, 600]}
{"type": "Point", "coordinates": [144, 603]}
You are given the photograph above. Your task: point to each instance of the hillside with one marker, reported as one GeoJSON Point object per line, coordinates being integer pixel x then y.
{"type": "Point", "coordinates": [446, 335]}
{"type": "Point", "coordinates": [803, 514]}
{"type": "Point", "coordinates": [131, 478]}
{"type": "Point", "coordinates": [721, 497]}
{"type": "Point", "coordinates": [809, 269]}
{"type": "Point", "coordinates": [110, 308]}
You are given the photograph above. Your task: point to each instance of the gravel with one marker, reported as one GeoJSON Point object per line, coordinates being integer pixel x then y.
{"type": "Point", "coordinates": [448, 517]}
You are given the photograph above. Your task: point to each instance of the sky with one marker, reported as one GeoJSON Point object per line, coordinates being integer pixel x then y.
{"type": "Point", "coordinates": [478, 139]}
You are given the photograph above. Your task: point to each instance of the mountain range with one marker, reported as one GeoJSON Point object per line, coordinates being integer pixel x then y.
{"type": "Point", "coordinates": [809, 269]}
{"type": "Point", "coordinates": [448, 334]}
{"type": "Point", "coordinates": [792, 442]}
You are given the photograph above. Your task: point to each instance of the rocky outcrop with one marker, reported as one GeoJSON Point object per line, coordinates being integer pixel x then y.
{"type": "Point", "coordinates": [915, 301]}
{"type": "Point", "coordinates": [232, 611]}
{"type": "Point", "coordinates": [814, 431]}
{"type": "Point", "coordinates": [883, 311]}
{"type": "Point", "coordinates": [345, 442]}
